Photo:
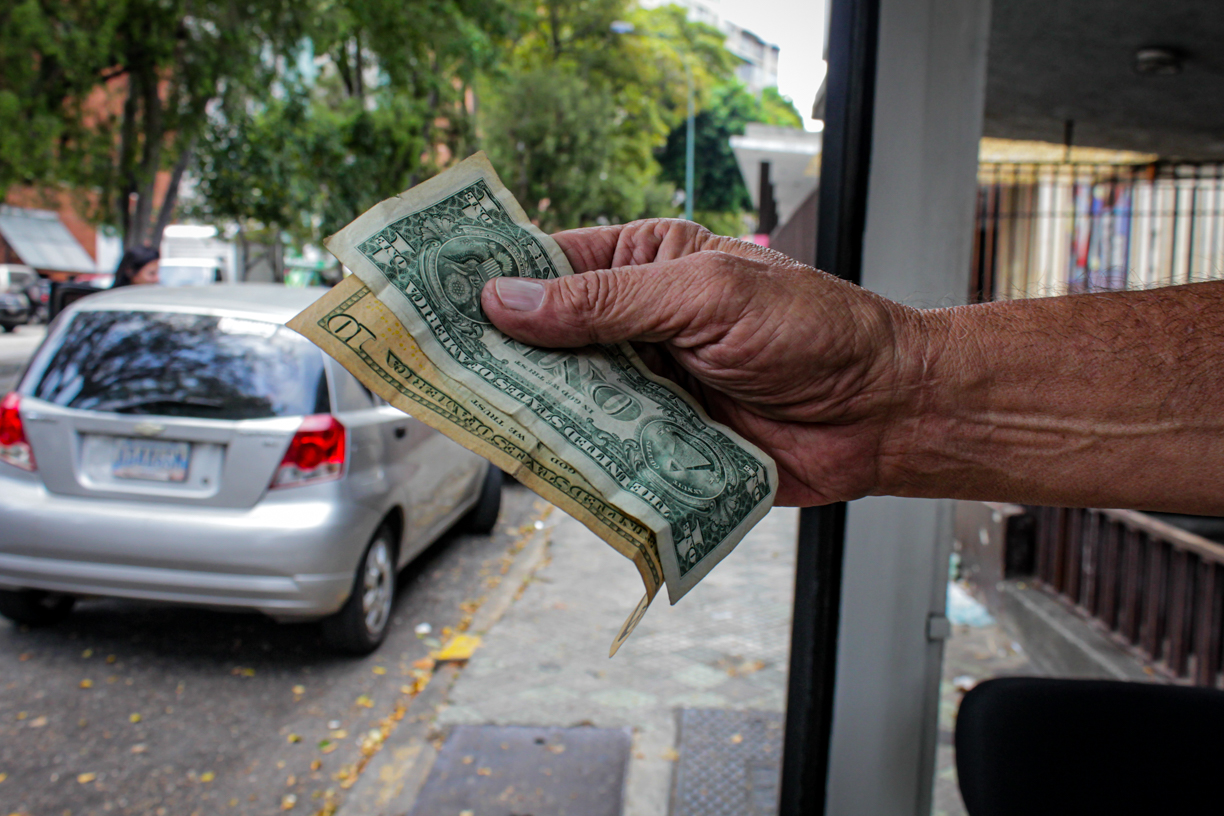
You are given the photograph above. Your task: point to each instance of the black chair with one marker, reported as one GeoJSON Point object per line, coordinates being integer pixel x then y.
{"type": "Point", "coordinates": [1029, 746]}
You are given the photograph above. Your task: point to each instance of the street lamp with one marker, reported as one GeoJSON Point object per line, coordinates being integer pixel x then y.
{"type": "Point", "coordinates": [625, 27]}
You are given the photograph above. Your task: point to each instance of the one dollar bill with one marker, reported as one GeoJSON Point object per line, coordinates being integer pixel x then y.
{"type": "Point", "coordinates": [640, 442]}
{"type": "Point", "coordinates": [362, 334]}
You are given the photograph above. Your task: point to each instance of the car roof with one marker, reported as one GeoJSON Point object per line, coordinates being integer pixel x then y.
{"type": "Point", "coordinates": [268, 301]}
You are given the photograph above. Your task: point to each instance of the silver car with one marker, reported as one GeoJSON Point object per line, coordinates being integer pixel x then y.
{"type": "Point", "coordinates": [183, 445]}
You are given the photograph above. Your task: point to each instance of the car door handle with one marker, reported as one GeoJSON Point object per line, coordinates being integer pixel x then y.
{"type": "Point", "coordinates": [401, 431]}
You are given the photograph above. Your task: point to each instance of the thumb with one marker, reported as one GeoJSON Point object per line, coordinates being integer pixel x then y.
{"type": "Point", "coordinates": [651, 302]}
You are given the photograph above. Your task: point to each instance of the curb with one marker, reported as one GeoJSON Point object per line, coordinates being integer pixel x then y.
{"type": "Point", "coordinates": [390, 784]}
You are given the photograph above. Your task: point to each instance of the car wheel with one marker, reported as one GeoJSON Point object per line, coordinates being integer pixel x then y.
{"type": "Point", "coordinates": [361, 624]}
{"type": "Point", "coordinates": [483, 515]}
{"type": "Point", "coordinates": [34, 607]}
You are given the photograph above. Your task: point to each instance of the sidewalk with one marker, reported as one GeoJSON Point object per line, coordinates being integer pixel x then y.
{"type": "Point", "coordinates": [698, 692]}
{"type": "Point", "coordinates": [724, 646]}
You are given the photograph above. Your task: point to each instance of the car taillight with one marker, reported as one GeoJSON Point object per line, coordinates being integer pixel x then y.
{"type": "Point", "coordinates": [316, 453]}
{"type": "Point", "coordinates": [14, 448]}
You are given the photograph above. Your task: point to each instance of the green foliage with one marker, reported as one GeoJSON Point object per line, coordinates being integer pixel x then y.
{"type": "Point", "coordinates": [779, 110]}
{"type": "Point", "coordinates": [104, 94]}
{"type": "Point", "coordinates": [718, 186]}
{"type": "Point", "coordinates": [386, 109]}
{"type": "Point", "coordinates": [294, 116]}
{"type": "Point", "coordinates": [576, 112]}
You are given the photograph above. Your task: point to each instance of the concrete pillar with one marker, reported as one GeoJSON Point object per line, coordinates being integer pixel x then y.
{"type": "Point", "coordinates": [930, 83]}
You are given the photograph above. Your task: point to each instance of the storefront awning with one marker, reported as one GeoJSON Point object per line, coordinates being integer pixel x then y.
{"type": "Point", "coordinates": [42, 241]}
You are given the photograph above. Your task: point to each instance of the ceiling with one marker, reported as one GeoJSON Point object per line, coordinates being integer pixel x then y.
{"type": "Point", "coordinates": [1057, 60]}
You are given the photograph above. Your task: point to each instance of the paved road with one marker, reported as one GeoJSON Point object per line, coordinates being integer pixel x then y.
{"type": "Point", "coordinates": [15, 349]}
{"type": "Point", "coordinates": [136, 709]}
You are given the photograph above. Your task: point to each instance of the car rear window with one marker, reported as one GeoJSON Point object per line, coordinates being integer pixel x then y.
{"type": "Point", "coordinates": [175, 364]}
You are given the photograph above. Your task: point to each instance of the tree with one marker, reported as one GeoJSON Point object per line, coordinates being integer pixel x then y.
{"type": "Point", "coordinates": [102, 95]}
{"type": "Point", "coordinates": [576, 112]}
{"type": "Point", "coordinates": [718, 188]}
{"type": "Point", "coordinates": [382, 105]}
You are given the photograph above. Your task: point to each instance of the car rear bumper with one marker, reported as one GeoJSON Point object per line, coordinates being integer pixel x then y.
{"type": "Point", "coordinates": [290, 556]}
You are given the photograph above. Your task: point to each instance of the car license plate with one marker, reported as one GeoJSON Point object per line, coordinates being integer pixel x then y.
{"type": "Point", "coordinates": [151, 460]}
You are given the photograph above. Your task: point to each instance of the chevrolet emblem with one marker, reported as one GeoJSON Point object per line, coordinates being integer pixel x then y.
{"type": "Point", "coordinates": [149, 428]}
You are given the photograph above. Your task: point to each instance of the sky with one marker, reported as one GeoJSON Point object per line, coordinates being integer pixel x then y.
{"type": "Point", "coordinates": [797, 28]}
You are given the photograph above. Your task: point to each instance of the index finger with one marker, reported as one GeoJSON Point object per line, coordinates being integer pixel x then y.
{"type": "Point", "coordinates": [645, 242]}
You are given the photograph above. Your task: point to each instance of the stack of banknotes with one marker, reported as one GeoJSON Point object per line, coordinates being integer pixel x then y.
{"type": "Point", "coordinates": [629, 454]}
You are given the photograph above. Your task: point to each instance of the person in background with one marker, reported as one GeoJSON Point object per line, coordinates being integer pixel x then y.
{"type": "Point", "coordinates": [137, 266]}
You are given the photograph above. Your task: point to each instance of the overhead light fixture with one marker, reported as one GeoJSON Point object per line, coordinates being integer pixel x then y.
{"type": "Point", "coordinates": [1158, 61]}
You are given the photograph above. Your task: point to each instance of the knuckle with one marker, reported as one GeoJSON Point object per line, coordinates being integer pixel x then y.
{"type": "Point", "coordinates": [584, 299]}
{"type": "Point", "coordinates": [719, 266]}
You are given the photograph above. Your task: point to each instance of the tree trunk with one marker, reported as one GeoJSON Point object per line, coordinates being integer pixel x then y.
{"type": "Point", "coordinates": [127, 155]}
{"type": "Point", "coordinates": [171, 199]}
{"type": "Point", "coordinates": [359, 66]}
{"type": "Point", "coordinates": [145, 180]}
{"type": "Point", "coordinates": [246, 253]}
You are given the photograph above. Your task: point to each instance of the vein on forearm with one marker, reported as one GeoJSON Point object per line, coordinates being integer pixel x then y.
{"type": "Point", "coordinates": [1105, 398]}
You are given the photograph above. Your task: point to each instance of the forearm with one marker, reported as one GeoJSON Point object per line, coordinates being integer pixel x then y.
{"type": "Point", "coordinates": [1108, 400]}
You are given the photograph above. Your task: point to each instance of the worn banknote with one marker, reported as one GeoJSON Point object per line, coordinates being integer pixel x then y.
{"type": "Point", "coordinates": [354, 327]}
{"type": "Point", "coordinates": [639, 441]}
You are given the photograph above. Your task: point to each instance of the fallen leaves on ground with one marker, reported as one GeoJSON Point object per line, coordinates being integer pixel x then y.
{"type": "Point", "coordinates": [86, 778]}
{"type": "Point", "coordinates": [379, 670]}
{"type": "Point", "coordinates": [365, 702]}
{"type": "Point", "coordinates": [327, 746]}
{"type": "Point", "coordinates": [288, 802]}
{"type": "Point", "coordinates": [239, 671]}
{"type": "Point", "coordinates": [460, 647]}
{"type": "Point", "coordinates": [134, 718]}
{"type": "Point", "coordinates": [299, 690]}
{"type": "Point", "coordinates": [739, 667]}
{"type": "Point", "coordinates": [294, 738]}
{"type": "Point", "coordinates": [38, 722]}
{"type": "Point", "coordinates": [208, 776]}
{"type": "Point", "coordinates": [86, 684]}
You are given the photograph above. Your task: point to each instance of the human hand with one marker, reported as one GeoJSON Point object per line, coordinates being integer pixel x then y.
{"type": "Point", "coordinates": [813, 370]}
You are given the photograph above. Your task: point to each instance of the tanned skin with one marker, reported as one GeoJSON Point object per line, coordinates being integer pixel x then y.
{"type": "Point", "coordinates": [1102, 400]}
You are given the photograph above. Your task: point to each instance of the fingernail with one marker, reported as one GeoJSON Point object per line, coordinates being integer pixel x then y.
{"type": "Point", "coordinates": [519, 294]}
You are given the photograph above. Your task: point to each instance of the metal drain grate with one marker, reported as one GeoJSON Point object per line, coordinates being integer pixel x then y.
{"type": "Point", "coordinates": [729, 763]}
{"type": "Point", "coordinates": [491, 770]}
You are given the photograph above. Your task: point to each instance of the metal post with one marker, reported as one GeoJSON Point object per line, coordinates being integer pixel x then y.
{"type": "Point", "coordinates": [689, 136]}
{"type": "Point", "coordinates": [844, 167]}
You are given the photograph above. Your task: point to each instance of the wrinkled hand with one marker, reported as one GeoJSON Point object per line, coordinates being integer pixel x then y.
{"type": "Point", "coordinates": [810, 368]}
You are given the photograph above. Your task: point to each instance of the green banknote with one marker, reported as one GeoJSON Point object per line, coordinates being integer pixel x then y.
{"type": "Point", "coordinates": [641, 441]}
{"type": "Point", "coordinates": [354, 327]}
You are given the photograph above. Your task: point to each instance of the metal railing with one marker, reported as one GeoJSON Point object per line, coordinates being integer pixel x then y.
{"type": "Point", "coordinates": [1050, 229]}
{"type": "Point", "coordinates": [1158, 589]}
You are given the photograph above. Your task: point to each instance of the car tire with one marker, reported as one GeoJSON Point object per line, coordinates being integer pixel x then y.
{"type": "Point", "coordinates": [361, 624]}
{"type": "Point", "coordinates": [483, 516]}
{"type": "Point", "coordinates": [34, 607]}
